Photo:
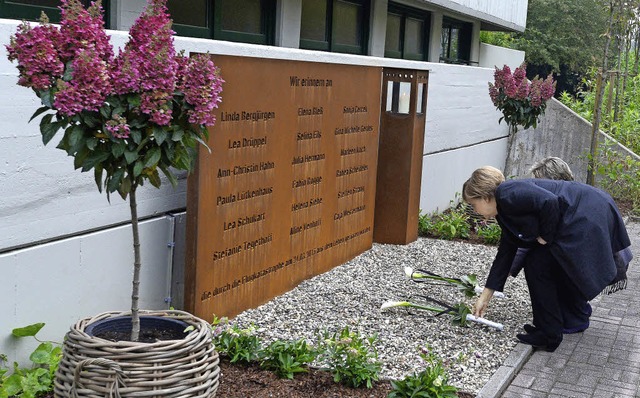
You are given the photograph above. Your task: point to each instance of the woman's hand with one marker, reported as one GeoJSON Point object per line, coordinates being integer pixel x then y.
{"type": "Point", "coordinates": [480, 307]}
{"type": "Point", "coordinates": [541, 241]}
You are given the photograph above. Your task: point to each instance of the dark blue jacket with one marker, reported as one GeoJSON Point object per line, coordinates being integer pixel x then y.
{"type": "Point", "coordinates": [581, 224]}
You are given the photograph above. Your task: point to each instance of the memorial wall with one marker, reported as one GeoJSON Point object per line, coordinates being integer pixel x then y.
{"type": "Point", "coordinates": [288, 189]}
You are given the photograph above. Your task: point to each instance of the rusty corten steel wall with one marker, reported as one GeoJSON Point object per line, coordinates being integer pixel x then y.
{"type": "Point", "coordinates": [400, 158]}
{"type": "Point", "coordinates": [288, 189]}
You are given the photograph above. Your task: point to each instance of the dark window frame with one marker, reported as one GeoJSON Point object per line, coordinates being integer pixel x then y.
{"type": "Point", "coordinates": [465, 33]}
{"type": "Point", "coordinates": [407, 12]}
{"type": "Point", "coordinates": [329, 44]}
{"type": "Point", "coordinates": [214, 30]}
{"type": "Point", "coordinates": [32, 13]}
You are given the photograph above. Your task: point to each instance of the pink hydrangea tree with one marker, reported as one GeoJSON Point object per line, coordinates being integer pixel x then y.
{"type": "Point", "coordinates": [127, 117]}
{"type": "Point", "coordinates": [521, 101]}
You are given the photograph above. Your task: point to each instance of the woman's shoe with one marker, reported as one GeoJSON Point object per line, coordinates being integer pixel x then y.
{"type": "Point", "coordinates": [529, 328]}
{"type": "Point", "coordinates": [539, 341]}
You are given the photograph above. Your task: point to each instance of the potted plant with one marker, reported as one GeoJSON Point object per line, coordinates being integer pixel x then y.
{"type": "Point", "coordinates": [128, 117]}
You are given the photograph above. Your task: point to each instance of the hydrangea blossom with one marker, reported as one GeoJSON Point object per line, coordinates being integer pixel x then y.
{"type": "Point", "coordinates": [521, 101]}
{"type": "Point", "coordinates": [36, 51]}
{"type": "Point", "coordinates": [201, 86]}
{"type": "Point", "coordinates": [80, 29]}
{"type": "Point", "coordinates": [88, 88]}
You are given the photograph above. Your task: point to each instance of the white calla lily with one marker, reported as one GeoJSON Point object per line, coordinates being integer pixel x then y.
{"type": "Point", "coordinates": [391, 304]}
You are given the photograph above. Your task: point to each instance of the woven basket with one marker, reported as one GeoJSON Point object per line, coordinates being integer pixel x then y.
{"type": "Point", "coordinates": [92, 367]}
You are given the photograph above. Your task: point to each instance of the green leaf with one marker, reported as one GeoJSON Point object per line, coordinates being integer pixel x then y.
{"type": "Point", "coordinates": [39, 112]}
{"type": "Point", "coordinates": [136, 136]}
{"type": "Point", "coordinates": [12, 385]}
{"type": "Point", "coordinates": [131, 156]}
{"type": "Point", "coordinates": [115, 181]}
{"type": "Point", "coordinates": [118, 149]}
{"type": "Point", "coordinates": [105, 111]}
{"type": "Point", "coordinates": [29, 330]}
{"type": "Point", "coordinates": [80, 157]}
{"type": "Point", "coordinates": [152, 157]}
{"type": "Point", "coordinates": [201, 141]}
{"type": "Point", "coordinates": [42, 354]}
{"type": "Point", "coordinates": [154, 179]}
{"type": "Point", "coordinates": [160, 134]}
{"type": "Point", "coordinates": [172, 179]}
{"type": "Point", "coordinates": [90, 120]}
{"type": "Point", "coordinates": [93, 159]}
{"type": "Point", "coordinates": [97, 175]}
{"type": "Point", "coordinates": [134, 101]}
{"type": "Point", "coordinates": [46, 97]}
{"type": "Point", "coordinates": [124, 188]}
{"type": "Point", "coordinates": [92, 142]}
{"type": "Point", "coordinates": [177, 135]}
{"type": "Point", "coordinates": [75, 134]}
{"type": "Point", "coordinates": [68, 71]}
{"type": "Point", "coordinates": [137, 169]}
{"type": "Point", "coordinates": [48, 129]}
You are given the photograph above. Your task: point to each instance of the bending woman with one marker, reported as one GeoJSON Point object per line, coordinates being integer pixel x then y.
{"type": "Point", "coordinates": [578, 246]}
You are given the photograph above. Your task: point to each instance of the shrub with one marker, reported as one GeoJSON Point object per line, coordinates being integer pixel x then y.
{"type": "Point", "coordinates": [351, 358]}
{"type": "Point", "coordinates": [432, 382]}
{"type": "Point", "coordinates": [35, 380]}
{"type": "Point", "coordinates": [489, 232]}
{"type": "Point", "coordinates": [287, 358]}
{"type": "Point", "coordinates": [620, 177]}
{"type": "Point", "coordinates": [239, 344]}
{"type": "Point", "coordinates": [451, 224]}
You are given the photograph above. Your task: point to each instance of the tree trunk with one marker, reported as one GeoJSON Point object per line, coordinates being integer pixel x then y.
{"type": "Point", "coordinates": [508, 163]}
{"type": "Point", "coordinates": [591, 172]}
{"type": "Point", "coordinates": [137, 263]}
{"type": "Point", "coordinates": [636, 46]}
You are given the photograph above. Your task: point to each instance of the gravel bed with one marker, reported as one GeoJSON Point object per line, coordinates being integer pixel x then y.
{"type": "Point", "coordinates": [351, 294]}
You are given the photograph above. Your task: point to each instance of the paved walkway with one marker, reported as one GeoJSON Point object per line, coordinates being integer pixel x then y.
{"type": "Point", "coordinates": [602, 362]}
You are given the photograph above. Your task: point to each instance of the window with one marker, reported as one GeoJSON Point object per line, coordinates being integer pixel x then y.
{"type": "Point", "coordinates": [456, 41]}
{"type": "Point", "coordinates": [247, 21]}
{"type": "Point", "coordinates": [31, 10]}
{"type": "Point", "coordinates": [407, 33]}
{"type": "Point", "coordinates": [335, 25]}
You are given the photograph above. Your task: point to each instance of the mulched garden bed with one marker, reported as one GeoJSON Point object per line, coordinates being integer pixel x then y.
{"type": "Point", "coordinates": [242, 381]}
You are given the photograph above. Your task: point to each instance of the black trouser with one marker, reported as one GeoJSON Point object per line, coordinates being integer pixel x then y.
{"type": "Point", "coordinates": [555, 300]}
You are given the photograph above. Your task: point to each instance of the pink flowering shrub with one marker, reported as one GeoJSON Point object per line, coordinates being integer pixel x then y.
{"type": "Point", "coordinates": [126, 116]}
{"type": "Point", "coordinates": [521, 101]}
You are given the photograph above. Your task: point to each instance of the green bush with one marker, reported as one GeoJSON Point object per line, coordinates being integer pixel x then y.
{"type": "Point", "coordinates": [432, 382]}
{"type": "Point", "coordinates": [37, 379]}
{"type": "Point", "coordinates": [489, 232]}
{"type": "Point", "coordinates": [620, 177]}
{"type": "Point", "coordinates": [351, 358]}
{"type": "Point", "coordinates": [287, 358]}
{"type": "Point", "coordinates": [451, 224]}
{"type": "Point", "coordinates": [239, 344]}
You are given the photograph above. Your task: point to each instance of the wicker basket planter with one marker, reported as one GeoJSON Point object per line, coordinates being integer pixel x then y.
{"type": "Point", "coordinates": [93, 367]}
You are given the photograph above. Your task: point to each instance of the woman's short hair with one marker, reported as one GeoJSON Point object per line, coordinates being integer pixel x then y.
{"type": "Point", "coordinates": [482, 184]}
{"type": "Point", "coordinates": [552, 168]}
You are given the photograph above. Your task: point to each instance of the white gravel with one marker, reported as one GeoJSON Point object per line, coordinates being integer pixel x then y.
{"type": "Point", "coordinates": [351, 295]}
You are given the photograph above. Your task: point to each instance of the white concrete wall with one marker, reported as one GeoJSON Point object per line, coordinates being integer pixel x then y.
{"type": "Point", "coordinates": [457, 165]}
{"type": "Point", "coordinates": [60, 282]}
{"type": "Point", "coordinates": [492, 56]}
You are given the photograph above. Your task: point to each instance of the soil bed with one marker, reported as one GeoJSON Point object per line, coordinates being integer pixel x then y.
{"type": "Point", "coordinates": [242, 381]}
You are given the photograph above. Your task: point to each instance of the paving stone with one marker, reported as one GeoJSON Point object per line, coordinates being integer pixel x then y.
{"type": "Point", "coordinates": [602, 362]}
